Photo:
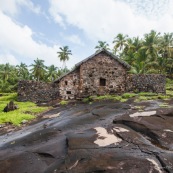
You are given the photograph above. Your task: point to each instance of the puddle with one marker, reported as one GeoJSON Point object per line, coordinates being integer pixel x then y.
{"type": "Point", "coordinates": [52, 116]}
{"type": "Point", "coordinates": [156, 166]}
{"type": "Point", "coordinates": [167, 130]}
{"type": "Point", "coordinates": [143, 114]}
{"type": "Point", "coordinates": [120, 129]}
{"type": "Point", "coordinates": [105, 138]}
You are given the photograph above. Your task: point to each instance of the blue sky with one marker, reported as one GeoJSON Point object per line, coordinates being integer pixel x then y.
{"type": "Point", "coordinates": [37, 28]}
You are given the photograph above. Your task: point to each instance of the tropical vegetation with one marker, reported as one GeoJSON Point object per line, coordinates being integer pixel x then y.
{"type": "Point", "coordinates": [153, 53]}
{"type": "Point", "coordinates": [26, 112]}
{"type": "Point", "coordinates": [38, 71]}
{"type": "Point", "coordinates": [63, 55]}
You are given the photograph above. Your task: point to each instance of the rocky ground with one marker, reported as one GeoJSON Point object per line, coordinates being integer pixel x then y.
{"type": "Point", "coordinates": [100, 137]}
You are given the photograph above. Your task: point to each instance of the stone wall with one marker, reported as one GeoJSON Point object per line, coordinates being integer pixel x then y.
{"type": "Point", "coordinates": [69, 85]}
{"type": "Point", "coordinates": [146, 83]}
{"type": "Point", "coordinates": [37, 91]}
{"type": "Point", "coordinates": [102, 75]}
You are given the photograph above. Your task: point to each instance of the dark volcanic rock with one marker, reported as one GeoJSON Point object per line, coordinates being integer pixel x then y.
{"type": "Point", "coordinates": [10, 107]}
{"type": "Point", "coordinates": [103, 137]}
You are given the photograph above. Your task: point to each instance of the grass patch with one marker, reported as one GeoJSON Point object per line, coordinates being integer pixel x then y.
{"type": "Point", "coordinates": [63, 102]}
{"type": "Point", "coordinates": [105, 97]}
{"type": "Point", "coordinates": [164, 105]}
{"type": "Point", "coordinates": [26, 111]}
{"type": "Point", "coordinates": [128, 95]}
{"type": "Point", "coordinates": [143, 96]}
{"type": "Point", "coordinates": [147, 94]}
{"type": "Point", "coordinates": [86, 100]}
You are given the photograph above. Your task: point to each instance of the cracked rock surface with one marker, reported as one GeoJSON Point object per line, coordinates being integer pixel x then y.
{"type": "Point", "coordinates": [101, 137]}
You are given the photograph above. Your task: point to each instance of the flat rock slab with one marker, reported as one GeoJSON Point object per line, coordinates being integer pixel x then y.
{"type": "Point", "coordinates": [102, 137]}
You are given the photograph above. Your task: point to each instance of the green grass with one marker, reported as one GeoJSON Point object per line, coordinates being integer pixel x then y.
{"type": "Point", "coordinates": [26, 111]}
{"type": "Point", "coordinates": [143, 96]}
{"type": "Point", "coordinates": [105, 97]}
{"type": "Point", "coordinates": [164, 105]}
{"type": "Point", "coordinates": [128, 95]}
{"type": "Point", "coordinates": [63, 102]}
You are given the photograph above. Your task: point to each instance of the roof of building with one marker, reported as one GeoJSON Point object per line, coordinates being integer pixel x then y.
{"type": "Point", "coordinates": [86, 59]}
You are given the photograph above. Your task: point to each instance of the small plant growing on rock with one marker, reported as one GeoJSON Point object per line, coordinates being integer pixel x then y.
{"type": "Point", "coordinates": [63, 102]}
{"type": "Point", "coordinates": [128, 95]}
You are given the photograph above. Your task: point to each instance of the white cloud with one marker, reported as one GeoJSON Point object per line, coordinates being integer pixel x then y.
{"type": "Point", "coordinates": [104, 19]}
{"type": "Point", "coordinates": [75, 39]}
{"type": "Point", "coordinates": [8, 58]}
{"type": "Point", "coordinates": [17, 39]}
{"type": "Point", "coordinates": [12, 7]}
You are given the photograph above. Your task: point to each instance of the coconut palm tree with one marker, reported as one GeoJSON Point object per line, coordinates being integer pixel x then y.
{"type": "Point", "coordinates": [102, 45]}
{"type": "Point", "coordinates": [22, 71]}
{"type": "Point", "coordinates": [39, 69]}
{"type": "Point", "coordinates": [64, 55]}
{"type": "Point", "coordinates": [52, 73]}
{"type": "Point", "coordinates": [151, 45]}
{"type": "Point", "coordinates": [120, 42]}
{"type": "Point", "coordinates": [5, 72]}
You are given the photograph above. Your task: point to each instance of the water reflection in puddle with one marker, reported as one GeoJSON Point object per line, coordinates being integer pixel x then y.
{"type": "Point", "coordinates": [143, 114]}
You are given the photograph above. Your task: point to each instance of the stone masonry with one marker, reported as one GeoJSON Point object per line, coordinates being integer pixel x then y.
{"type": "Point", "coordinates": [101, 73]}
{"type": "Point", "coordinates": [146, 83]}
{"type": "Point", "coordinates": [37, 91]}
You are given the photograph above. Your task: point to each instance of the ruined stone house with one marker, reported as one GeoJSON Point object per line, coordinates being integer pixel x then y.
{"type": "Point", "coordinates": [101, 73]}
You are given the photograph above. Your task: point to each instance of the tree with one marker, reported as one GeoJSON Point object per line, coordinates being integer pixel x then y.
{"type": "Point", "coordinates": [52, 73]}
{"type": "Point", "coordinates": [39, 69]}
{"type": "Point", "coordinates": [120, 42]}
{"type": "Point", "coordinates": [5, 72]}
{"type": "Point", "coordinates": [64, 55]}
{"type": "Point", "coordinates": [102, 45]}
{"type": "Point", "coordinates": [22, 71]}
{"type": "Point", "coordinates": [151, 45]}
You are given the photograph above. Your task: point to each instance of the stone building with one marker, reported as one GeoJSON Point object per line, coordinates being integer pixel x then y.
{"type": "Point", "coordinates": [101, 73]}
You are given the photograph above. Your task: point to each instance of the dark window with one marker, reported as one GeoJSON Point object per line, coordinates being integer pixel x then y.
{"type": "Point", "coordinates": [68, 92]}
{"type": "Point", "coordinates": [66, 83]}
{"type": "Point", "coordinates": [102, 82]}
{"type": "Point", "coordinates": [74, 83]}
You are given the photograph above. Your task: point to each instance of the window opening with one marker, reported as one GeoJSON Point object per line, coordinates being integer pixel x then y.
{"type": "Point", "coordinates": [68, 92]}
{"type": "Point", "coordinates": [102, 82]}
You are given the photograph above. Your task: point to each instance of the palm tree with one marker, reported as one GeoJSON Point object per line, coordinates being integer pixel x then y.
{"type": "Point", "coordinates": [166, 44]}
{"type": "Point", "coordinates": [52, 72]}
{"type": "Point", "coordinates": [39, 69]}
{"type": "Point", "coordinates": [120, 42]}
{"type": "Point", "coordinates": [102, 45]}
{"type": "Point", "coordinates": [22, 71]}
{"type": "Point", "coordinates": [151, 45]}
{"type": "Point", "coordinates": [5, 72]}
{"type": "Point", "coordinates": [64, 55]}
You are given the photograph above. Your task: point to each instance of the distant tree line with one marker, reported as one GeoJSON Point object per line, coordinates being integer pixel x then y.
{"type": "Point", "coordinates": [153, 53]}
{"type": "Point", "coordinates": [38, 71]}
